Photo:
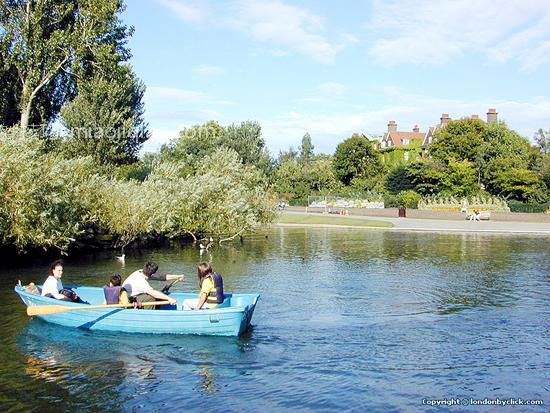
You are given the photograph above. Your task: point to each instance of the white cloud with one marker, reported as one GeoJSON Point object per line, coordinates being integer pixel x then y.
{"type": "Point", "coordinates": [158, 138]}
{"type": "Point", "coordinates": [329, 129]}
{"type": "Point", "coordinates": [284, 26]}
{"type": "Point", "coordinates": [425, 32]}
{"type": "Point", "coordinates": [185, 10]}
{"type": "Point", "coordinates": [174, 94]}
{"type": "Point", "coordinates": [208, 70]}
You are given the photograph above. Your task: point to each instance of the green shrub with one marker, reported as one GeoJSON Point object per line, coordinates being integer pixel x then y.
{"type": "Point", "coordinates": [392, 201]}
{"type": "Point", "coordinates": [518, 206]}
{"type": "Point", "coordinates": [410, 199]}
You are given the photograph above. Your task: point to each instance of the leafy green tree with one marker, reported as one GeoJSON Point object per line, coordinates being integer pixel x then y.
{"type": "Point", "coordinates": [306, 149]}
{"type": "Point", "coordinates": [298, 181]}
{"type": "Point", "coordinates": [502, 147]}
{"type": "Point", "coordinates": [460, 178]}
{"type": "Point", "coordinates": [9, 115]}
{"type": "Point", "coordinates": [356, 158]}
{"type": "Point", "coordinates": [105, 120]}
{"type": "Point", "coordinates": [193, 144]}
{"type": "Point", "coordinates": [520, 184]}
{"type": "Point", "coordinates": [288, 155]}
{"type": "Point", "coordinates": [542, 138]}
{"type": "Point", "coordinates": [398, 179]}
{"type": "Point", "coordinates": [427, 176]}
{"type": "Point", "coordinates": [199, 141]}
{"type": "Point", "coordinates": [460, 139]}
{"type": "Point", "coordinates": [246, 139]}
{"type": "Point", "coordinates": [45, 43]}
{"type": "Point", "coordinates": [544, 169]}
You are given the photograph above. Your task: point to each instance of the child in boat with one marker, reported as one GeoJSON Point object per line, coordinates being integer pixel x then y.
{"type": "Point", "coordinates": [53, 287]}
{"type": "Point", "coordinates": [114, 292]}
{"type": "Point", "coordinates": [211, 289]}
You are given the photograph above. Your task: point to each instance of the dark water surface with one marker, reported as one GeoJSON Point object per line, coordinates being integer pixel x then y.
{"type": "Point", "coordinates": [348, 320]}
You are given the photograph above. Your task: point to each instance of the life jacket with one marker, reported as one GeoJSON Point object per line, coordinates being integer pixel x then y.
{"type": "Point", "coordinates": [112, 294]}
{"type": "Point", "coordinates": [216, 296]}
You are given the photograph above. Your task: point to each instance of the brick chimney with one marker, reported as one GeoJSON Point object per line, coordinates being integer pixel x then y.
{"type": "Point", "coordinates": [444, 119]}
{"type": "Point", "coordinates": [475, 117]}
{"type": "Point", "coordinates": [416, 129]}
{"type": "Point", "coordinates": [392, 126]}
{"type": "Point", "coordinates": [492, 115]}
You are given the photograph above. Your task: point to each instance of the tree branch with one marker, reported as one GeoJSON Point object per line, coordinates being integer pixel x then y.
{"type": "Point", "coordinates": [233, 237]}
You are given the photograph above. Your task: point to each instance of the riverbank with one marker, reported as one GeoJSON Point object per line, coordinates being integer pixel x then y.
{"type": "Point", "coordinates": [297, 216]}
{"type": "Point", "coordinates": [293, 218]}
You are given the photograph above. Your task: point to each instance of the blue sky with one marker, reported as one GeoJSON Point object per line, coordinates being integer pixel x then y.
{"type": "Point", "coordinates": [332, 68]}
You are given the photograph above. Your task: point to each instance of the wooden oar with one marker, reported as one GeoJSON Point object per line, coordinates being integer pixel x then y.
{"type": "Point", "coordinates": [55, 309]}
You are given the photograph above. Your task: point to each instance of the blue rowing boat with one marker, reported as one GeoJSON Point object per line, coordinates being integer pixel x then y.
{"type": "Point", "coordinates": [232, 318]}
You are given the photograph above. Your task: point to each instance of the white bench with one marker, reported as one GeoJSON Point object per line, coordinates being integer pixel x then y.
{"type": "Point", "coordinates": [484, 215]}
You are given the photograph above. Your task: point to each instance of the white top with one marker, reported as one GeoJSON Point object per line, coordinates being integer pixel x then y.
{"type": "Point", "coordinates": [136, 284]}
{"type": "Point", "coordinates": [52, 286]}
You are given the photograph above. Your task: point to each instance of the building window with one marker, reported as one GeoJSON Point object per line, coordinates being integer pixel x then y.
{"type": "Point", "coordinates": [405, 141]}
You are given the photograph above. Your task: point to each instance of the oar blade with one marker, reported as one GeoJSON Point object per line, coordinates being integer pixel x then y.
{"type": "Point", "coordinates": [56, 309]}
{"type": "Point", "coordinates": [47, 309]}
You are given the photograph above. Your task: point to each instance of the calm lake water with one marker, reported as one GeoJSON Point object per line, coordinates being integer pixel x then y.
{"type": "Point", "coordinates": [348, 320]}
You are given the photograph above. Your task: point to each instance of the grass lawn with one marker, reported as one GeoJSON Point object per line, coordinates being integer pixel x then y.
{"type": "Point", "coordinates": [314, 219]}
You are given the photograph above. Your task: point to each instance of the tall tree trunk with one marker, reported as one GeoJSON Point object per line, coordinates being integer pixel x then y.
{"type": "Point", "coordinates": [26, 101]}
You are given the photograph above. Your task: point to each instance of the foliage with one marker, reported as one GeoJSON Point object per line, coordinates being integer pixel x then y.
{"type": "Point", "coordinates": [520, 184]}
{"type": "Point", "coordinates": [518, 206]}
{"type": "Point", "coordinates": [404, 154]}
{"type": "Point", "coordinates": [542, 138]}
{"type": "Point", "coordinates": [198, 141]}
{"type": "Point", "coordinates": [431, 177]}
{"type": "Point", "coordinates": [356, 158]}
{"type": "Point", "coordinates": [544, 169]}
{"type": "Point", "coordinates": [426, 176]}
{"type": "Point", "coordinates": [306, 149]}
{"type": "Point", "coordinates": [392, 200]}
{"type": "Point", "coordinates": [298, 180]}
{"type": "Point", "coordinates": [48, 201]}
{"type": "Point", "coordinates": [288, 155]}
{"type": "Point", "coordinates": [398, 179]}
{"type": "Point", "coordinates": [460, 139]}
{"type": "Point", "coordinates": [410, 199]}
{"type": "Point", "coordinates": [460, 178]}
{"type": "Point", "coordinates": [105, 119]}
{"type": "Point", "coordinates": [47, 44]}
{"type": "Point", "coordinates": [44, 200]}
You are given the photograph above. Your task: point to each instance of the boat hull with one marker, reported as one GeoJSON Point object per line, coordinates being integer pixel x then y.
{"type": "Point", "coordinates": [232, 318]}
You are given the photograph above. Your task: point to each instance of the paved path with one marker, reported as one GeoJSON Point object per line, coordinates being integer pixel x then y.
{"type": "Point", "coordinates": [439, 225]}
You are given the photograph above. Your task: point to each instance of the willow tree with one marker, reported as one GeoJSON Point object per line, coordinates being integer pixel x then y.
{"type": "Point", "coordinates": [46, 44]}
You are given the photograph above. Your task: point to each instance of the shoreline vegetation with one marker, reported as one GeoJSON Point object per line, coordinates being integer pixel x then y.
{"type": "Point", "coordinates": [53, 202]}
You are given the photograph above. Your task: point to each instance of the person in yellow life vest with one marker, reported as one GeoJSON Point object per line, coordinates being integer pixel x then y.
{"type": "Point", "coordinates": [211, 293]}
{"type": "Point", "coordinates": [115, 293]}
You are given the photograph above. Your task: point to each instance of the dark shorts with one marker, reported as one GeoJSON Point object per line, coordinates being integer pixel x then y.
{"type": "Point", "coordinates": [144, 298]}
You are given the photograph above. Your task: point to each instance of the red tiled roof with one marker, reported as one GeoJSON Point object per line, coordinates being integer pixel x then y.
{"type": "Point", "coordinates": [397, 137]}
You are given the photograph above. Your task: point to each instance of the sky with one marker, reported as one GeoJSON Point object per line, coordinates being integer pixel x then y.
{"type": "Point", "coordinates": [334, 68]}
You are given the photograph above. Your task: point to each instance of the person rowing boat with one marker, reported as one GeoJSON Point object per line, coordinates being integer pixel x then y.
{"type": "Point", "coordinates": [140, 290]}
